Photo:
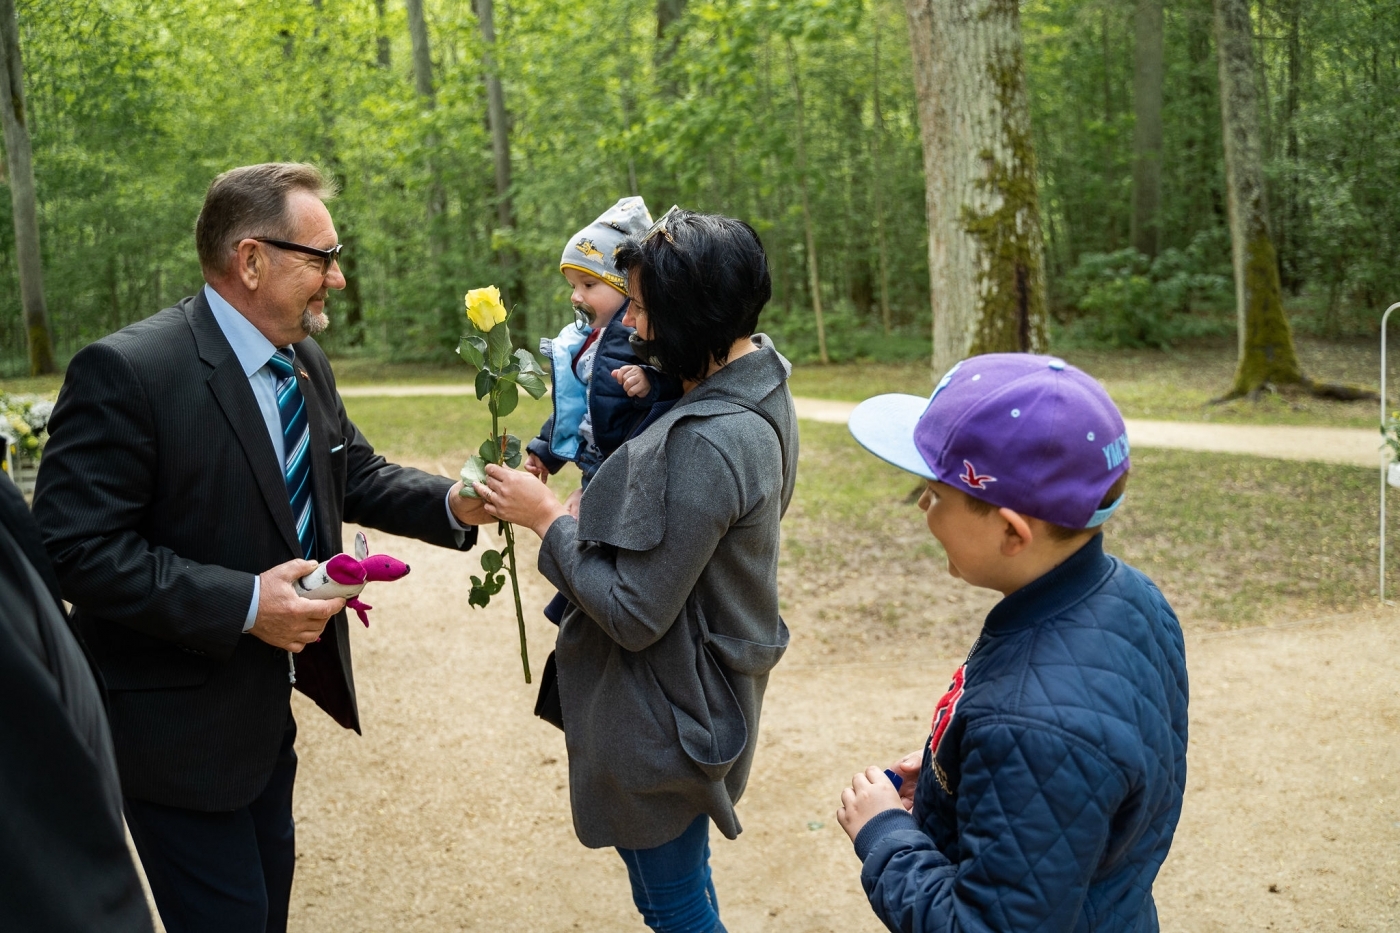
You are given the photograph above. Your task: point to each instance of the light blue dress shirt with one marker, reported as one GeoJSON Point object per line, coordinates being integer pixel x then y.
{"type": "Point", "coordinates": [253, 351]}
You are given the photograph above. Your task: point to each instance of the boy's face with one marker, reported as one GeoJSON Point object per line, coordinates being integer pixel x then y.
{"type": "Point", "coordinates": [973, 541]}
{"type": "Point", "coordinates": [594, 295]}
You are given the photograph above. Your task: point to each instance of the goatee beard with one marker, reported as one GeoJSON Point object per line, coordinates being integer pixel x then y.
{"type": "Point", "coordinates": [313, 324]}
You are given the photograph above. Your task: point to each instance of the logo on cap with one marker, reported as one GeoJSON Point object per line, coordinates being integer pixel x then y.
{"type": "Point", "coordinates": [973, 478]}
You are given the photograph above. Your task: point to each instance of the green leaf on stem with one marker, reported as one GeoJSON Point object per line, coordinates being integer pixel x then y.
{"type": "Point", "coordinates": [490, 450]}
{"type": "Point", "coordinates": [473, 350]}
{"type": "Point", "coordinates": [491, 561]}
{"type": "Point", "coordinates": [485, 382]}
{"type": "Point", "coordinates": [498, 346]}
{"type": "Point", "coordinates": [527, 362]}
{"type": "Point", "coordinates": [473, 471]}
{"type": "Point", "coordinates": [504, 399]}
{"type": "Point", "coordinates": [532, 384]}
{"type": "Point", "coordinates": [512, 456]}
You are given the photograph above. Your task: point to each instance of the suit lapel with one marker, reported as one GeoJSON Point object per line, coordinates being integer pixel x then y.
{"type": "Point", "coordinates": [235, 396]}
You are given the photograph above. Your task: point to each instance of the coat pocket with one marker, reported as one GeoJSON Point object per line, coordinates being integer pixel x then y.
{"type": "Point", "coordinates": [715, 731]}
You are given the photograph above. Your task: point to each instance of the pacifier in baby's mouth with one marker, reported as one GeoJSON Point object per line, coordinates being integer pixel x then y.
{"type": "Point", "coordinates": [583, 317]}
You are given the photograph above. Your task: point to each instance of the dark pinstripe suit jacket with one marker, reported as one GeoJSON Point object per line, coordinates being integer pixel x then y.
{"type": "Point", "coordinates": [160, 498]}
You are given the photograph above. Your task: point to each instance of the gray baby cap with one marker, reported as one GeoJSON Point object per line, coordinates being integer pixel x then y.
{"type": "Point", "coordinates": [592, 249]}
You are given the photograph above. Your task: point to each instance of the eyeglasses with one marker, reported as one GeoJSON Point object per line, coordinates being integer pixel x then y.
{"type": "Point", "coordinates": [327, 256]}
{"type": "Point", "coordinates": [660, 226]}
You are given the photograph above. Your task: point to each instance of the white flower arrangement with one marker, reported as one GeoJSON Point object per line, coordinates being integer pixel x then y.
{"type": "Point", "coordinates": [24, 422]}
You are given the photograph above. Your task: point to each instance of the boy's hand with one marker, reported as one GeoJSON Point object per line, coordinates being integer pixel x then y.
{"type": "Point", "coordinates": [870, 793]}
{"type": "Point", "coordinates": [908, 768]}
{"type": "Point", "coordinates": [571, 503]}
{"type": "Point", "coordinates": [633, 379]}
{"type": "Point", "coordinates": [534, 465]}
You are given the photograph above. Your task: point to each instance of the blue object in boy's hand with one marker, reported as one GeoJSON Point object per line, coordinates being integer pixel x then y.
{"type": "Point", "coordinates": [895, 779]}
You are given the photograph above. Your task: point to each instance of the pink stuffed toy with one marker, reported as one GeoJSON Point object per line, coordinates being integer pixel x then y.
{"type": "Point", "coordinates": [346, 576]}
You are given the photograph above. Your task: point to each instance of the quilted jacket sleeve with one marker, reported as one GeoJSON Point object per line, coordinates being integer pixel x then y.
{"type": "Point", "coordinates": [1034, 810]}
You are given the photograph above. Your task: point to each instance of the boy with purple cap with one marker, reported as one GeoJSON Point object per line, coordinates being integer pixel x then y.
{"type": "Point", "coordinates": [1050, 787]}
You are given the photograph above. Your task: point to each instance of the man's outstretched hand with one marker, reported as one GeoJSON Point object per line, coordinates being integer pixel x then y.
{"type": "Point", "coordinates": [286, 620]}
{"type": "Point", "coordinates": [467, 510]}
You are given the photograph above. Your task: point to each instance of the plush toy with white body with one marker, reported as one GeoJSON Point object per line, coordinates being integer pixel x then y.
{"type": "Point", "coordinates": [347, 576]}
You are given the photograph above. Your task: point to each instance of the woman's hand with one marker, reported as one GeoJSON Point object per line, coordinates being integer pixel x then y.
{"type": "Point", "coordinates": [870, 793]}
{"type": "Point", "coordinates": [519, 498]}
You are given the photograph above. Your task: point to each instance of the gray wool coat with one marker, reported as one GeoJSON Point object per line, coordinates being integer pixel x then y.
{"type": "Point", "coordinates": [672, 573]}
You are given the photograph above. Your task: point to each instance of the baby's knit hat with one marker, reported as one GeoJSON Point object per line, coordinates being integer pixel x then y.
{"type": "Point", "coordinates": [591, 250]}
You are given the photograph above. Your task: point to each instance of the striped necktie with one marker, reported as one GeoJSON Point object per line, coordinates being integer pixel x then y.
{"type": "Point", "coordinates": [296, 442]}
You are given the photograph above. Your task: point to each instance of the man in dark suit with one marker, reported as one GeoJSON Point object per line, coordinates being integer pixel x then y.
{"type": "Point", "coordinates": [195, 458]}
{"type": "Point", "coordinates": [64, 864]}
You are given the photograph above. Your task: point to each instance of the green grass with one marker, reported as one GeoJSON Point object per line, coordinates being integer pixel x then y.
{"type": "Point", "coordinates": [1231, 540]}
{"type": "Point", "coordinates": [1176, 385]}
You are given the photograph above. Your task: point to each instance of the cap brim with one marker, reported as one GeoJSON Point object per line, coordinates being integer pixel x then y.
{"type": "Point", "coordinates": [884, 425]}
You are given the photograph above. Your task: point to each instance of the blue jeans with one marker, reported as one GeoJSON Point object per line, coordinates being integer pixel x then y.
{"type": "Point", "coordinates": [671, 883]}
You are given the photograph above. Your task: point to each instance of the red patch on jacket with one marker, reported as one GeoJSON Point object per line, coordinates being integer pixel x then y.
{"type": "Point", "coordinates": [943, 712]}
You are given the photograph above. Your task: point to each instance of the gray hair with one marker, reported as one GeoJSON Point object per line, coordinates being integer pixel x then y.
{"type": "Point", "coordinates": [251, 201]}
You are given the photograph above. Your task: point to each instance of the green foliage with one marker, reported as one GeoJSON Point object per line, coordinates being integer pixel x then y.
{"type": "Point", "coordinates": [135, 105]}
{"type": "Point", "coordinates": [1125, 299]}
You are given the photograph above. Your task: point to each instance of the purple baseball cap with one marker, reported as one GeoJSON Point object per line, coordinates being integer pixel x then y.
{"type": "Point", "coordinates": [1023, 432]}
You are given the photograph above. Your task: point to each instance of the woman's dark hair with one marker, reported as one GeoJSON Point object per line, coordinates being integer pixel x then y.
{"type": "Point", "coordinates": [703, 280]}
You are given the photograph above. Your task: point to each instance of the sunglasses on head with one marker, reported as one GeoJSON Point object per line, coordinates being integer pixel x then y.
{"type": "Point", "coordinates": [659, 228]}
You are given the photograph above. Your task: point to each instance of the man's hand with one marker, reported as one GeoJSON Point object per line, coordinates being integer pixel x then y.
{"type": "Point", "coordinates": [870, 793]}
{"type": "Point", "coordinates": [286, 620]}
{"type": "Point", "coordinates": [465, 509]}
{"type": "Point", "coordinates": [535, 466]}
{"type": "Point", "coordinates": [633, 379]}
{"type": "Point", "coordinates": [908, 768]}
{"type": "Point", "coordinates": [571, 503]}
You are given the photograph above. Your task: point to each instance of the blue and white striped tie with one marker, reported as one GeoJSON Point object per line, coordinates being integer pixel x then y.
{"type": "Point", "coordinates": [296, 442]}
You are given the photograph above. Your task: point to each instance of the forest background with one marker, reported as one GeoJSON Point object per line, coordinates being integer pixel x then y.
{"type": "Point", "coordinates": [796, 115]}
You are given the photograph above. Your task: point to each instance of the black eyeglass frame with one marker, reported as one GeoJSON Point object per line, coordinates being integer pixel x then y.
{"type": "Point", "coordinates": [328, 257]}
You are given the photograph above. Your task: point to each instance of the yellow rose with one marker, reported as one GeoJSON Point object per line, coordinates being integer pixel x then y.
{"type": "Point", "coordinates": [484, 308]}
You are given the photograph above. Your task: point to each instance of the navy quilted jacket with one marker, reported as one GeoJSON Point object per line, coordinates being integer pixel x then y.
{"type": "Point", "coordinates": [1053, 780]}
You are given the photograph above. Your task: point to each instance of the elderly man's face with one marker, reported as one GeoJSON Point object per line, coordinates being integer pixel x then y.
{"type": "Point", "coordinates": [297, 287]}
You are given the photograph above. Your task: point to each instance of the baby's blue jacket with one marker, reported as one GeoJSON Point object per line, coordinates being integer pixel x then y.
{"type": "Point", "coordinates": [1051, 799]}
{"type": "Point", "coordinates": [615, 415]}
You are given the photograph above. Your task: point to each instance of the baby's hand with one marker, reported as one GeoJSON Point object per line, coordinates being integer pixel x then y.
{"type": "Point", "coordinates": [572, 502]}
{"type": "Point", "coordinates": [633, 379]}
{"type": "Point", "coordinates": [535, 466]}
{"type": "Point", "coordinates": [870, 793]}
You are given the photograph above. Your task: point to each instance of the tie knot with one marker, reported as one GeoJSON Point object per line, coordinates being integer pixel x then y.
{"type": "Point", "coordinates": [281, 363]}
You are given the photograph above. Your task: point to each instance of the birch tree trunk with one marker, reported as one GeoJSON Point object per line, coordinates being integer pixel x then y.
{"type": "Point", "coordinates": [1147, 125]}
{"type": "Point", "coordinates": [20, 163]}
{"type": "Point", "coordinates": [499, 121]}
{"type": "Point", "coordinates": [877, 182]}
{"type": "Point", "coordinates": [986, 269]}
{"type": "Point", "coordinates": [1266, 353]}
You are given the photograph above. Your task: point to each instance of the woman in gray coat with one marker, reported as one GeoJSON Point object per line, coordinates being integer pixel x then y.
{"type": "Point", "coordinates": [671, 571]}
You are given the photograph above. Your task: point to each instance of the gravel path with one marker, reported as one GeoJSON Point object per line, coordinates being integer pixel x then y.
{"type": "Point", "coordinates": [451, 812]}
{"type": "Point", "coordinates": [1354, 446]}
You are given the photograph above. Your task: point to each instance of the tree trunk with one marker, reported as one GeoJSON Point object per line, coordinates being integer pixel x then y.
{"type": "Point", "coordinates": [423, 84]}
{"type": "Point", "coordinates": [1147, 125]}
{"type": "Point", "coordinates": [668, 13]}
{"type": "Point", "coordinates": [877, 180]}
{"type": "Point", "coordinates": [986, 270]}
{"type": "Point", "coordinates": [1289, 270]}
{"type": "Point", "coordinates": [814, 282]}
{"type": "Point", "coordinates": [20, 163]}
{"type": "Point", "coordinates": [381, 39]}
{"type": "Point", "coordinates": [1266, 353]}
{"type": "Point", "coordinates": [499, 120]}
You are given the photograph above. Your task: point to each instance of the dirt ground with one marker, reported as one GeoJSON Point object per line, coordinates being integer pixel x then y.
{"type": "Point", "coordinates": [451, 812]}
